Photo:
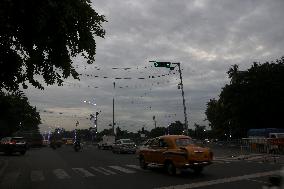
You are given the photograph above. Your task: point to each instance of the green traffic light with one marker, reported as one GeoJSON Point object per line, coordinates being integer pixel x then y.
{"type": "Point", "coordinates": [162, 64]}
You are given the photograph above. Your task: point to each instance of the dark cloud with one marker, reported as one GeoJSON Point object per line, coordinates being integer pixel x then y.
{"type": "Point", "coordinates": [205, 36]}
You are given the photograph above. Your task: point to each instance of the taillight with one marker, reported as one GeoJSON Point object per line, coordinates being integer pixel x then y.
{"type": "Point", "coordinates": [12, 142]}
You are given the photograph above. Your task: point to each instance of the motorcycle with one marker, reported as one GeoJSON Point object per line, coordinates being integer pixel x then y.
{"type": "Point", "coordinates": [77, 146]}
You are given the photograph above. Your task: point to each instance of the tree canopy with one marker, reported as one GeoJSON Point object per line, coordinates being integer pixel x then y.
{"type": "Point", "coordinates": [16, 114]}
{"type": "Point", "coordinates": [254, 98]}
{"type": "Point", "coordinates": [176, 128]}
{"type": "Point", "coordinates": [39, 38]}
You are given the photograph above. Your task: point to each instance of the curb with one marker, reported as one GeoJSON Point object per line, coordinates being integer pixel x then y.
{"type": "Point", "coordinates": [243, 157]}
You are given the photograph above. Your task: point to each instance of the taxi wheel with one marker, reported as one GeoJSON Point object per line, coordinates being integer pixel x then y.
{"type": "Point", "coordinates": [142, 163]}
{"type": "Point", "coordinates": [170, 168]}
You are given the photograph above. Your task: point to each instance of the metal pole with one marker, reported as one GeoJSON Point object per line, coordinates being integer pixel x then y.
{"type": "Point", "coordinates": [96, 122]}
{"type": "Point", "coordinates": [155, 123]}
{"type": "Point", "coordinates": [183, 100]}
{"type": "Point", "coordinates": [113, 110]}
{"type": "Point", "coordinates": [113, 116]}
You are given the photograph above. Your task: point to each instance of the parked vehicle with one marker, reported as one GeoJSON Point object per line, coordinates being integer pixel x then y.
{"type": "Point", "coordinates": [143, 145]}
{"type": "Point", "coordinates": [107, 142]}
{"type": "Point", "coordinates": [68, 141]}
{"type": "Point", "coordinates": [11, 145]}
{"type": "Point", "coordinates": [124, 146]}
{"type": "Point", "coordinates": [45, 142]}
{"type": "Point", "coordinates": [174, 151]}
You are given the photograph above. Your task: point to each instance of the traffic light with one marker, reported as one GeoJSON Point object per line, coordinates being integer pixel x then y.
{"type": "Point", "coordinates": [162, 64]}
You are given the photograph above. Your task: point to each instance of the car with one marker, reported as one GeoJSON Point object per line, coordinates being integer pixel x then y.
{"type": "Point", "coordinates": [206, 140]}
{"type": "Point", "coordinates": [45, 142]}
{"type": "Point", "coordinates": [124, 146]}
{"type": "Point", "coordinates": [56, 143]}
{"type": "Point", "coordinates": [11, 145]}
{"type": "Point", "coordinates": [69, 141]}
{"type": "Point", "coordinates": [174, 152]}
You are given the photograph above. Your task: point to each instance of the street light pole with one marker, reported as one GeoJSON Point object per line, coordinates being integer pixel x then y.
{"type": "Point", "coordinates": [155, 122]}
{"type": "Point", "coordinates": [113, 111]}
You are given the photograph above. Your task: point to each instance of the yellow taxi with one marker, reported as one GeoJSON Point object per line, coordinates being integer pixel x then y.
{"type": "Point", "coordinates": [69, 141]}
{"type": "Point", "coordinates": [174, 152]}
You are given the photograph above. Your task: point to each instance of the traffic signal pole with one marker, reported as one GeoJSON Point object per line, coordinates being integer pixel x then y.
{"type": "Point", "coordinates": [183, 100]}
{"type": "Point", "coordinates": [168, 65]}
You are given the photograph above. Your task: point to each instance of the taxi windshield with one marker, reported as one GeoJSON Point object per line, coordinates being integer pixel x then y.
{"type": "Point", "coordinates": [184, 142]}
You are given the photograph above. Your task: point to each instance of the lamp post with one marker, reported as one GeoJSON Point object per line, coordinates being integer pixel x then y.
{"type": "Point", "coordinates": [76, 125]}
{"type": "Point", "coordinates": [93, 116]}
{"type": "Point", "coordinates": [113, 110]}
{"type": "Point", "coordinates": [168, 65]}
{"type": "Point", "coordinates": [155, 122]}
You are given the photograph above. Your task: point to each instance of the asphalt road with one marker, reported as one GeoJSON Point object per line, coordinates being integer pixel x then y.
{"type": "Point", "coordinates": [91, 168]}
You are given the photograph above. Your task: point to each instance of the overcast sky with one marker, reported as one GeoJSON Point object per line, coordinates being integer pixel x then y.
{"type": "Point", "coordinates": [205, 36]}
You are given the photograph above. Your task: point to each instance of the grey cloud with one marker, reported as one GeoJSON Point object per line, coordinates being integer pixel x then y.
{"type": "Point", "coordinates": [205, 36]}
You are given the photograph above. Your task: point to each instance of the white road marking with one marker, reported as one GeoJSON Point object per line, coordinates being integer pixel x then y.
{"type": "Point", "coordinates": [221, 181]}
{"type": "Point", "coordinates": [100, 171]}
{"type": "Point", "coordinates": [219, 157]}
{"type": "Point", "coordinates": [108, 171]}
{"type": "Point", "coordinates": [258, 181]}
{"type": "Point", "coordinates": [216, 161]}
{"type": "Point", "coordinates": [134, 167]}
{"type": "Point", "coordinates": [84, 172]}
{"type": "Point", "coordinates": [122, 169]}
{"type": "Point", "coordinates": [61, 174]}
{"type": "Point", "coordinates": [244, 157]}
{"type": "Point", "coordinates": [256, 158]}
{"type": "Point", "coordinates": [226, 159]}
{"type": "Point", "coordinates": [37, 176]}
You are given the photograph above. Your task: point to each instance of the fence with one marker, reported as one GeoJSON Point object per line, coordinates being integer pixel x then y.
{"type": "Point", "coordinates": [263, 145]}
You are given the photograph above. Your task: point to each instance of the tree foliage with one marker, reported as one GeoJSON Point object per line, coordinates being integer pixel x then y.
{"type": "Point", "coordinates": [176, 128]}
{"type": "Point", "coordinates": [158, 131]}
{"type": "Point", "coordinates": [16, 114]}
{"type": "Point", "coordinates": [40, 37]}
{"type": "Point", "coordinates": [253, 99]}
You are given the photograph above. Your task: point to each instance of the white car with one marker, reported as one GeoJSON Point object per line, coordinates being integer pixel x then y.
{"type": "Point", "coordinates": [124, 146]}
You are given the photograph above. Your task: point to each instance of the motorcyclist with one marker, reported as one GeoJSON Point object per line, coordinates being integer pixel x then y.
{"type": "Point", "coordinates": [77, 145]}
